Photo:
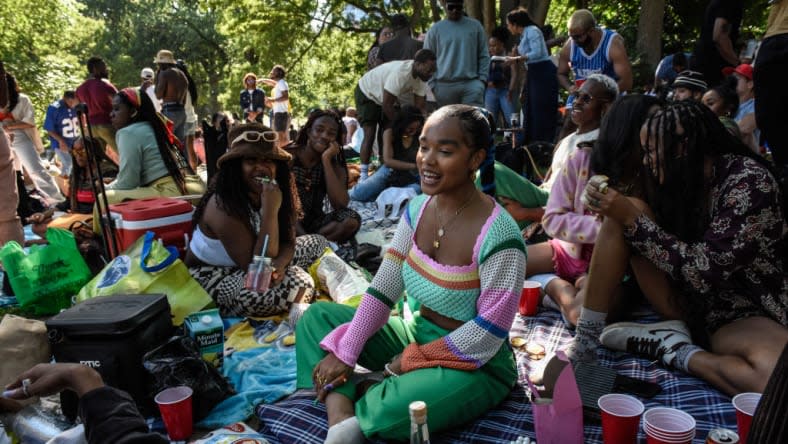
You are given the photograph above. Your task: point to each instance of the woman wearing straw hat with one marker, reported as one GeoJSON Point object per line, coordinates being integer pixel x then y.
{"type": "Point", "coordinates": [252, 205]}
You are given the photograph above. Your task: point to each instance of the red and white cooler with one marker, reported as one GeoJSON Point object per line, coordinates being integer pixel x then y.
{"type": "Point", "coordinates": [169, 218]}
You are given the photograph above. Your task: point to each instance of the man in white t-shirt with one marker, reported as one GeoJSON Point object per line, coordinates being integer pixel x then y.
{"type": "Point", "coordinates": [381, 89]}
{"type": "Point", "coordinates": [279, 103]}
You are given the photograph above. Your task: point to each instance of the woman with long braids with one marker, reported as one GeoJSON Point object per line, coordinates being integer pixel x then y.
{"type": "Point", "coordinates": [320, 171]}
{"type": "Point", "coordinates": [704, 248]}
{"type": "Point", "coordinates": [461, 256]}
{"type": "Point", "coordinates": [252, 197]}
{"type": "Point", "coordinates": [150, 163]}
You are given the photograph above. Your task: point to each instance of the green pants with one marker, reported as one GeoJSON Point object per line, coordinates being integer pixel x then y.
{"type": "Point", "coordinates": [453, 397]}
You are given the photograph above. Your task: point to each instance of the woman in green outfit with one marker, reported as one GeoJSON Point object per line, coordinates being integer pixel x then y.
{"type": "Point", "coordinates": [453, 354]}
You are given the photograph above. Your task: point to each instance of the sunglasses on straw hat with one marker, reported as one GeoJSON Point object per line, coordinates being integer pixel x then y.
{"type": "Point", "coordinates": [255, 136]}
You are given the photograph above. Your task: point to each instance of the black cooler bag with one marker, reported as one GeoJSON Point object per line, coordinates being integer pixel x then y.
{"type": "Point", "coordinates": [111, 334]}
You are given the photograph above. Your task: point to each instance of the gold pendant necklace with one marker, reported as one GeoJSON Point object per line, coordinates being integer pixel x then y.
{"type": "Point", "coordinates": [441, 226]}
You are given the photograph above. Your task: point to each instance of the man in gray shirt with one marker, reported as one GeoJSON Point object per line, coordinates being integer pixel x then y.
{"type": "Point", "coordinates": [460, 44]}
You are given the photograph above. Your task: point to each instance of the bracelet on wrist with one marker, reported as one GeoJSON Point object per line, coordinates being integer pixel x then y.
{"type": "Point", "coordinates": [388, 370]}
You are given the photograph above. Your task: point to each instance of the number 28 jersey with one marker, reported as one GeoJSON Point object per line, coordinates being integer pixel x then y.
{"type": "Point", "coordinates": [62, 120]}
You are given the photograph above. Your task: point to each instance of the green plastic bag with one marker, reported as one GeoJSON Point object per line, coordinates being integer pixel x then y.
{"type": "Point", "coordinates": [148, 267]}
{"type": "Point", "coordinates": [46, 278]}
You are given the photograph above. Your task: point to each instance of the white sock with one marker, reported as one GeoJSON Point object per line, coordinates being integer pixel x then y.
{"type": "Point", "coordinates": [364, 172]}
{"type": "Point", "coordinates": [683, 356]}
{"type": "Point", "coordinates": [589, 327]}
{"type": "Point", "coordinates": [347, 431]}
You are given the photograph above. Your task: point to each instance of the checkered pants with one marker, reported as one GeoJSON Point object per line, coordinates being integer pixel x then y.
{"type": "Point", "coordinates": [226, 284]}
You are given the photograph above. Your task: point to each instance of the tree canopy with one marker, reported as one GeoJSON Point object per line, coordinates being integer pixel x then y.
{"type": "Point", "coordinates": [321, 43]}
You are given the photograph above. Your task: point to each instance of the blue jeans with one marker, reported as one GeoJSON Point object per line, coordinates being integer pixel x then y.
{"type": "Point", "coordinates": [177, 114]}
{"type": "Point", "coordinates": [368, 190]}
{"type": "Point", "coordinates": [65, 162]}
{"type": "Point", "coordinates": [495, 101]}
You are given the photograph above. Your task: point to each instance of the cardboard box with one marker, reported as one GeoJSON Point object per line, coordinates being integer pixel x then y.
{"type": "Point", "coordinates": [207, 329]}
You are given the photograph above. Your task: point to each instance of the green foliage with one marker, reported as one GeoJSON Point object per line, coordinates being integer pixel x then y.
{"type": "Point", "coordinates": [42, 42]}
{"type": "Point", "coordinates": [321, 43]}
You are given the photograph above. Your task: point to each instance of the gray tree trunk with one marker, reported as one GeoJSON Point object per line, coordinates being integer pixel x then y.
{"type": "Point", "coordinates": [537, 9]}
{"type": "Point", "coordinates": [649, 37]}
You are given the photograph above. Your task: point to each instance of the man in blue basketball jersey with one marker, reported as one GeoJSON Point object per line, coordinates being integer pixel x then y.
{"type": "Point", "coordinates": [592, 50]}
{"type": "Point", "coordinates": [63, 127]}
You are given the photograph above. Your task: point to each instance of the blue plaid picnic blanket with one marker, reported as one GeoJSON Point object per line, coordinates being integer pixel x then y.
{"type": "Point", "coordinates": [296, 419]}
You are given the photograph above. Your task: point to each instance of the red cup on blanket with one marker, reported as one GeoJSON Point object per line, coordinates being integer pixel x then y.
{"type": "Point", "coordinates": [664, 425]}
{"type": "Point", "coordinates": [175, 405]}
{"type": "Point", "coordinates": [529, 298]}
{"type": "Point", "coordinates": [620, 418]}
{"type": "Point", "coordinates": [745, 405]}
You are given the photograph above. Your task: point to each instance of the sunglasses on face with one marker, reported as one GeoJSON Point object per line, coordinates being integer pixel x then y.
{"type": "Point", "coordinates": [454, 6]}
{"type": "Point", "coordinates": [584, 97]}
{"type": "Point", "coordinates": [256, 136]}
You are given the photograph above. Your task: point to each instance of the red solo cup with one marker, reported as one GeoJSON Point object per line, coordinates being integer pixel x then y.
{"type": "Point", "coordinates": [669, 438]}
{"type": "Point", "coordinates": [529, 298]}
{"type": "Point", "coordinates": [665, 425]}
{"type": "Point", "coordinates": [620, 418]}
{"type": "Point", "coordinates": [745, 405]}
{"type": "Point", "coordinates": [175, 405]}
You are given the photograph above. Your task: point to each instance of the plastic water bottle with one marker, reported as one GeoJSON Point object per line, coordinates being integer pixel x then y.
{"type": "Point", "coordinates": [34, 425]}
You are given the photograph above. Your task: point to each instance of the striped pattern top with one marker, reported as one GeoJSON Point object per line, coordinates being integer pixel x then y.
{"type": "Point", "coordinates": [483, 294]}
{"type": "Point", "coordinates": [597, 62]}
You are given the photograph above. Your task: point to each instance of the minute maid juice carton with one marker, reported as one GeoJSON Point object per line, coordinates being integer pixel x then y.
{"type": "Point", "coordinates": [207, 329]}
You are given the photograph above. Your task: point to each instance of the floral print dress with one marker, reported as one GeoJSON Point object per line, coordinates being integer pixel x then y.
{"type": "Point", "coordinates": [735, 271]}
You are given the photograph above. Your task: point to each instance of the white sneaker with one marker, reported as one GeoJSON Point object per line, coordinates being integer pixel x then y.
{"type": "Point", "coordinates": [659, 340]}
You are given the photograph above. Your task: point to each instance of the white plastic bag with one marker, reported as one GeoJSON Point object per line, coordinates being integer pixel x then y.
{"type": "Point", "coordinates": [341, 281]}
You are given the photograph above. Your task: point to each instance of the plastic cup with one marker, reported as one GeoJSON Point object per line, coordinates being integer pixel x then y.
{"type": "Point", "coordinates": [745, 405]}
{"type": "Point", "coordinates": [665, 425]}
{"type": "Point", "coordinates": [620, 418]}
{"type": "Point", "coordinates": [658, 437]}
{"type": "Point", "coordinates": [175, 405]}
{"type": "Point", "coordinates": [529, 298]}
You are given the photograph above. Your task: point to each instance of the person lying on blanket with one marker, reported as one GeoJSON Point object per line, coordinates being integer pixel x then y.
{"type": "Point", "coordinates": [458, 253]}
{"type": "Point", "coordinates": [251, 199]}
{"type": "Point", "coordinates": [704, 248]}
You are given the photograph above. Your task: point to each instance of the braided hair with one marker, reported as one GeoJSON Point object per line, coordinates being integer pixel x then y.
{"type": "Point", "coordinates": [232, 196]}
{"type": "Point", "coordinates": [169, 153]}
{"type": "Point", "coordinates": [303, 134]}
{"type": "Point", "coordinates": [688, 132]}
{"type": "Point", "coordinates": [302, 139]}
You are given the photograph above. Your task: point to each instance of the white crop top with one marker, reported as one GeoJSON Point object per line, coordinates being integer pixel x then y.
{"type": "Point", "coordinates": [210, 251]}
